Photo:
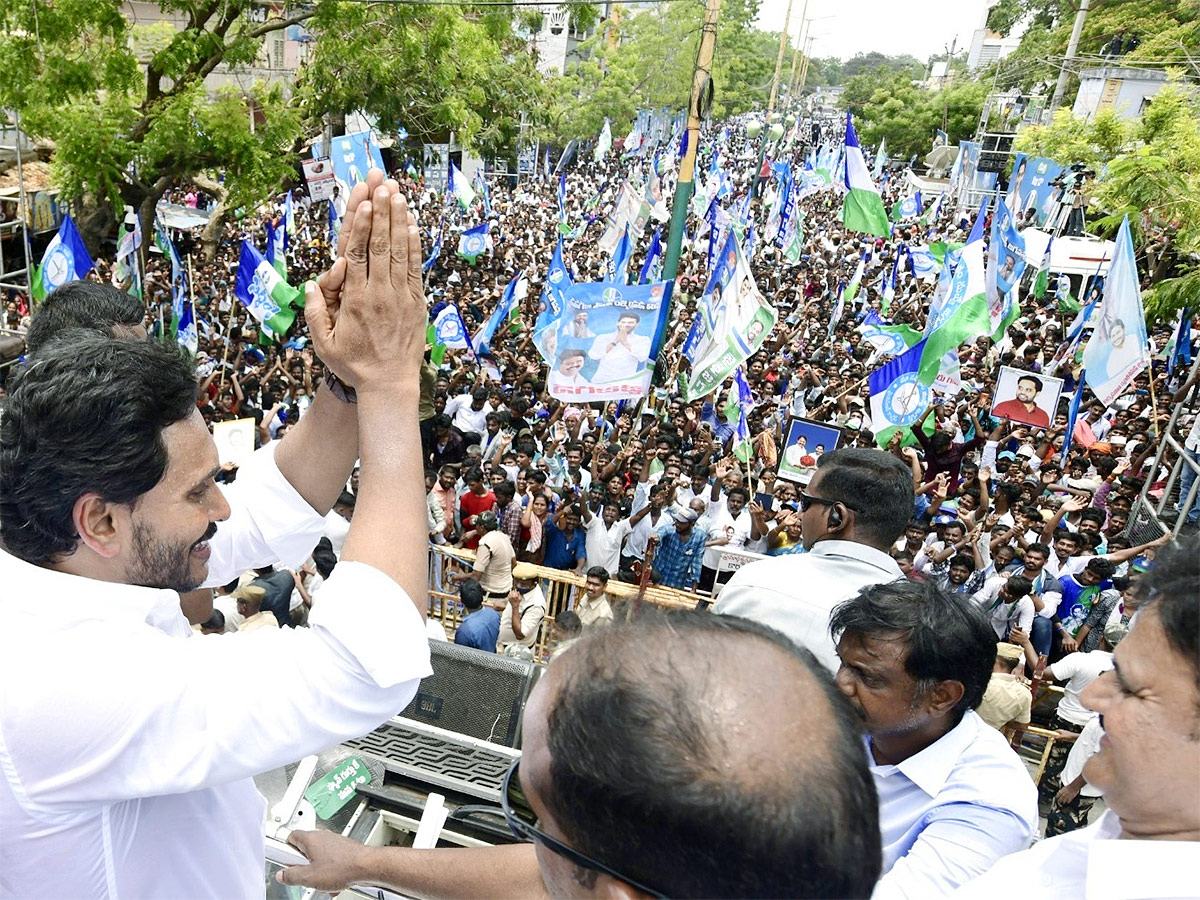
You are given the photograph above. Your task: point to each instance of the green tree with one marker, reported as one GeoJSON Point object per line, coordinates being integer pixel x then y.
{"type": "Point", "coordinates": [1169, 32]}
{"type": "Point", "coordinates": [125, 105]}
{"type": "Point", "coordinates": [651, 66]}
{"type": "Point", "coordinates": [129, 114]}
{"type": "Point", "coordinates": [892, 107]}
{"type": "Point", "coordinates": [436, 70]}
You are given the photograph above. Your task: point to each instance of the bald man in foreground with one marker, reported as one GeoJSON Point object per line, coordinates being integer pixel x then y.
{"type": "Point", "coordinates": [655, 765]}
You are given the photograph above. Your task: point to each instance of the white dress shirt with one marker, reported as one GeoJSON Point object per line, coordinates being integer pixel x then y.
{"type": "Point", "coordinates": [1078, 670]}
{"type": "Point", "coordinates": [126, 755]}
{"type": "Point", "coordinates": [1093, 863]}
{"type": "Point", "coordinates": [795, 594]}
{"type": "Point", "coordinates": [269, 522]}
{"type": "Point", "coordinates": [1001, 614]}
{"type": "Point", "coordinates": [603, 543]}
{"type": "Point", "coordinates": [949, 812]}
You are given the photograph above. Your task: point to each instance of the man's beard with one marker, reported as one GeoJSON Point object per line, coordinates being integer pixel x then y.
{"type": "Point", "coordinates": [163, 564]}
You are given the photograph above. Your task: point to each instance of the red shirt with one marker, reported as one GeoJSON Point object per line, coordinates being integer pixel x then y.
{"type": "Point", "coordinates": [470, 505]}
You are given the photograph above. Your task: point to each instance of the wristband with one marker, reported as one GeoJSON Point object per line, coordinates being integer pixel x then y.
{"type": "Point", "coordinates": [339, 388]}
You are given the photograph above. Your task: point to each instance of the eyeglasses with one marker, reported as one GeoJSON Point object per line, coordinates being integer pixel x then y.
{"type": "Point", "coordinates": [806, 500]}
{"type": "Point", "coordinates": [522, 821]}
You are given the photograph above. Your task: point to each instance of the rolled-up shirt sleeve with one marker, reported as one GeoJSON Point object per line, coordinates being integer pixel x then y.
{"type": "Point", "coordinates": [141, 714]}
{"type": "Point", "coordinates": [269, 522]}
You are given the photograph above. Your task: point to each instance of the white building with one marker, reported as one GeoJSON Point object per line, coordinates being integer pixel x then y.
{"type": "Point", "coordinates": [1125, 91]}
{"type": "Point", "coordinates": [989, 46]}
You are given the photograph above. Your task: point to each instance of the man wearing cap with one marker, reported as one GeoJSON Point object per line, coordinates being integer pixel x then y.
{"type": "Point", "coordinates": [679, 550]}
{"type": "Point", "coordinates": [248, 600]}
{"type": "Point", "coordinates": [493, 559]}
{"type": "Point", "coordinates": [1007, 698]}
{"type": "Point", "coordinates": [521, 616]}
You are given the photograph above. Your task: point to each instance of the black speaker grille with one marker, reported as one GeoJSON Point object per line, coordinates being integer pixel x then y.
{"type": "Point", "coordinates": [473, 692]}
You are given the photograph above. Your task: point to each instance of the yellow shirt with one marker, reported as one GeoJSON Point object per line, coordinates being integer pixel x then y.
{"type": "Point", "coordinates": [1006, 700]}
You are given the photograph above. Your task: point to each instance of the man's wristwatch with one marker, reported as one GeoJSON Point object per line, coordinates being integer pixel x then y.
{"type": "Point", "coordinates": [339, 388]}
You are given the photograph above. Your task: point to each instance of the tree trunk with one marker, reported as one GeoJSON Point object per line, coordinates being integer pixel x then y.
{"type": "Point", "coordinates": [215, 229]}
{"type": "Point", "coordinates": [95, 225]}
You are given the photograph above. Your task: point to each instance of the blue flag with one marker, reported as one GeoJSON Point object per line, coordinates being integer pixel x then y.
{"type": "Point", "coordinates": [692, 342]}
{"type": "Point", "coordinates": [898, 395]}
{"type": "Point", "coordinates": [474, 241]}
{"type": "Point", "coordinates": [977, 229]}
{"type": "Point", "coordinates": [333, 229]}
{"type": "Point", "coordinates": [1072, 415]}
{"type": "Point", "coordinates": [618, 266]}
{"type": "Point", "coordinates": [502, 313]}
{"type": "Point", "coordinates": [1181, 353]}
{"type": "Point", "coordinates": [66, 259]}
{"type": "Point", "coordinates": [652, 267]}
{"type": "Point", "coordinates": [562, 197]}
{"type": "Point", "coordinates": [434, 251]}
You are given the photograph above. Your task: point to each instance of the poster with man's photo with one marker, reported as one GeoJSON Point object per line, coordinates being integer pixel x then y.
{"type": "Point", "coordinates": [804, 442]}
{"type": "Point", "coordinates": [1026, 397]}
{"type": "Point", "coordinates": [602, 347]}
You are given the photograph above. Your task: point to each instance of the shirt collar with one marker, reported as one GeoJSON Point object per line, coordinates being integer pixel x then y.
{"type": "Point", "coordinates": [930, 769]}
{"type": "Point", "coordinates": [75, 596]}
{"type": "Point", "coordinates": [860, 552]}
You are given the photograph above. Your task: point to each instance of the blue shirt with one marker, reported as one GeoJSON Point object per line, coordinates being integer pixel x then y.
{"type": "Point", "coordinates": [1077, 600]}
{"type": "Point", "coordinates": [677, 560]}
{"type": "Point", "coordinates": [480, 629]}
{"type": "Point", "coordinates": [947, 813]}
{"type": "Point", "coordinates": [722, 430]}
{"type": "Point", "coordinates": [563, 552]}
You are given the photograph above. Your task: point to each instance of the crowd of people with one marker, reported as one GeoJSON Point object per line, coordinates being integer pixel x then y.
{"type": "Point", "coordinates": [925, 579]}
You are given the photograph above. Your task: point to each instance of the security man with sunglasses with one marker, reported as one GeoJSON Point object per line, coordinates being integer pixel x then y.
{"type": "Point", "coordinates": [654, 765]}
{"type": "Point", "coordinates": [851, 513]}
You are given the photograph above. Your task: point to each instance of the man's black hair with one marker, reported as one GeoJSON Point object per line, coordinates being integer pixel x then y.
{"type": "Point", "coordinates": [82, 304]}
{"type": "Point", "coordinates": [504, 490]}
{"type": "Point", "coordinates": [1100, 567]}
{"type": "Point", "coordinates": [346, 498]}
{"type": "Point", "coordinates": [1169, 588]}
{"type": "Point", "coordinates": [875, 484]}
{"type": "Point", "coordinates": [739, 491]}
{"type": "Point", "coordinates": [569, 623]}
{"type": "Point", "coordinates": [324, 558]}
{"type": "Point", "coordinates": [948, 640]}
{"type": "Point", "coordinates": [1092, 514]}
{"type": "Point", "coordinates": [470, 592]}
{"type": "Point", "coordinates": [216, 622]}
{"type": "Point", "coordinates": [86, 414]}
{"type": "Point", "coordinates": [1018, 586]}
{"type": "Point", "coordinates": [598, 571]}
{"type": "Point", "coordinates": [641, 779]}
{"type": "Point", "coordinates": [963, 559]}
{"type": "Point", "coordinates": [1037, 382]}
{"type": "Point", "coordinates": [1038, 548]}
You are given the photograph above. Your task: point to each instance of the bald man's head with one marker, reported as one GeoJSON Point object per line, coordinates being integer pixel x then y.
{"type": "Point", "coordinates": [676, 734]}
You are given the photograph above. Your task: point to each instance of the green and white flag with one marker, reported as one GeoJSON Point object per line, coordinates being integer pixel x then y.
{"type": "Point", "coordinates": [856, 280]}
{"type": "Point", "coordinates": [862, 209]}
{"type": "Point", "coordinates": [604, 142]}
{"type": "Point", "coordinates": [264, 294]}
{"type": "Point", "coordinates": [742, 320]}
{"type": "Point", "coordinates": [1042, 281]}
{"type": "Point", "coordinates": [446, 332]}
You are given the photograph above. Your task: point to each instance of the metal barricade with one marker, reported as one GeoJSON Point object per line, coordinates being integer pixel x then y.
{"type": "Point", "coordinates": [560, 587]}
{"type": "Point", "coordinates": [1151, 513]}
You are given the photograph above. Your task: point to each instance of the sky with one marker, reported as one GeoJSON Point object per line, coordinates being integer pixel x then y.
{"type": "Point", "coordinates": [892, 27]}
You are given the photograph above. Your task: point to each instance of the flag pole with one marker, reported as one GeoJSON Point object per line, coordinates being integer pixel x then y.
{"type": "Point", "coordinates": [1153, 399]}
{"type": "Point", "coordinates": [698, 109]}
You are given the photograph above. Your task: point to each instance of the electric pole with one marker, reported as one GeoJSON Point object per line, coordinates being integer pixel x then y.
{"type": "Point", "coordinates": [1060, 86]}
{"type": "Point", "coordinates": [779, 58]}
{"type": "Point", "coordinates": [697, 110]}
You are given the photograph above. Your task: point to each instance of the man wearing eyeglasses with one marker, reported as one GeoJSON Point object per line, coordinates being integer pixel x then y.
{"type": "Point", "coordinates": [853, 510]}
{"type": "Point", "coordinates": [640, 738]}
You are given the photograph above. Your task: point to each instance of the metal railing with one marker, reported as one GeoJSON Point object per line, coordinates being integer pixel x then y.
{"type": "Point", "coordinates": [1150, 514]}
{"type": "Point", "coordinates": [561, 588]}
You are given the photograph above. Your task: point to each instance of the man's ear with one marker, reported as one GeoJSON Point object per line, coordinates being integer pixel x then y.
{"type": "Point", "coordinates": [945, 695]}
{"type": "Point", "coordinates": [96, 524]}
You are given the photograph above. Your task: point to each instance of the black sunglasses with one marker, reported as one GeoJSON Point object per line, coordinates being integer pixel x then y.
{"type": "Point", "coordinates": [522, 821]}
{"type": "Point", "coordinates": [806, 500]}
